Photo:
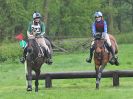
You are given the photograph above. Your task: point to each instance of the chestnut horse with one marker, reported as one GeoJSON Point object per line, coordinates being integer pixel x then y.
{"type": "Point", "coordinates": [102, 56]}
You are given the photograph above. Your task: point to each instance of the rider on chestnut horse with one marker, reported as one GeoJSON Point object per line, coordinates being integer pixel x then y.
{"type": "Point", "coordinates": [100, 26]}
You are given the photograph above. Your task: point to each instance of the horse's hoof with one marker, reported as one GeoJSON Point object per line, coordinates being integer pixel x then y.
{"type": "Point", "coordinates": [29, 89]}
{"type": "Point", "coordinates": [97, 86]}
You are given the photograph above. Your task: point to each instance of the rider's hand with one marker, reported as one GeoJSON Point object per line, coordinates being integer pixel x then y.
{"type": "Point", "coordinates": [31, 36]}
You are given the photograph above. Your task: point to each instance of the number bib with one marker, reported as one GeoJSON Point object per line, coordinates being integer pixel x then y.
{"type": "Point", "coordinates": [37, 28]}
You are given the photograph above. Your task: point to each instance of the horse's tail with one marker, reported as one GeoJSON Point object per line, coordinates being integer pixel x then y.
{"type": "Point", "coordinates": [114, 43]}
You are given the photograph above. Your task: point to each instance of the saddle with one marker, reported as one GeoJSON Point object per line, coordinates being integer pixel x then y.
{"type": "Point", "coordinates": [98, 36]}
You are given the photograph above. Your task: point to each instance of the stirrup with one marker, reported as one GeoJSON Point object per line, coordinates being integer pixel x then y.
{"type": "Point", "coordinates": [113, 61]}
{"type": "Point", "coordinates": [49, 61]}
{"type": "Point", "coordinates": [22, 60]}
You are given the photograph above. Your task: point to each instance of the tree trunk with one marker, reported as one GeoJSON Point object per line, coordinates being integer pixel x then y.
{"type": "Point", "coordinates": [110, 18]}
{"type": "Point", "coordinates": [46, 3]}
{"type": "Point", "coordinates": [132, 13]}
{"type": "Point", "coordinates": [119, 18]}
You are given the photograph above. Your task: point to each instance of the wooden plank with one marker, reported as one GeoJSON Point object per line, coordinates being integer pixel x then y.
{"type": "Point", "coordinates": [83, 74]}
{"type": "Point", "coordinates": [115, 78]}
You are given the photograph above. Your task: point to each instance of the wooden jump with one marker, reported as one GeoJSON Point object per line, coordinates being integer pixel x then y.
{"type": "Point", "coordinates": [48, 77]}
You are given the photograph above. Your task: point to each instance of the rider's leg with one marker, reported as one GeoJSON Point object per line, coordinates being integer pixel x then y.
{"type": "Point", "coordinates": [109, 46]}
{"type": "Point", "coordinates": [22, 59]}
{"type": "Point", "coordinates": [42, 42]}
{"type": "Point", "coordinates": [91, 53]}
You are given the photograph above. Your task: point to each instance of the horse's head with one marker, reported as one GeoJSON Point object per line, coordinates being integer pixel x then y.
{"type": "Point", "coordinates": [32, 49]}
{"type": "Point", "coordinates": [30, 46]}
{"type": "Point", "coordinates": [99, 47]}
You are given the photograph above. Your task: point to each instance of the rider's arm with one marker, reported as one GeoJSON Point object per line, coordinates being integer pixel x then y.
{"type": "Point", "coordinates": [29, 30]}
{"type": "Point", "coordinates": [42, 28]}
{"type": "Point", "coordinates": [28, 34]}
{"type": "Point", "coordinates": [93, 29]}
{"type": "Point", "coordinates": [105, 27]}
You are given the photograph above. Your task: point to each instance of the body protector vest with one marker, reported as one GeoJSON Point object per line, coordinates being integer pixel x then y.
{"type": "Point", "coordinates": [37, 28]}
{"type": "Point", "coordinates": [99, 26]}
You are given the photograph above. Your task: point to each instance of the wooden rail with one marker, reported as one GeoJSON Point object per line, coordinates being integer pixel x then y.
{"type": "Point", "coordinates": [83, 74]}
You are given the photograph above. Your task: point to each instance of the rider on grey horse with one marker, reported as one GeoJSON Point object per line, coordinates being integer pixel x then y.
{"type": "Point", "coordinates": [36, 29]}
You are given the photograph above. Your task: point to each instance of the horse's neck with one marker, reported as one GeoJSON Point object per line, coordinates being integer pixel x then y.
{"type": "Point", "coordinates": [99, 43]}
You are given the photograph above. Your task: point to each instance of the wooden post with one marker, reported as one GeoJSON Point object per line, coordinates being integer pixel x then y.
{"type": "Point", "coordinates": [115, 79]}
{"type": "Point", "coordinates": [48, 81]}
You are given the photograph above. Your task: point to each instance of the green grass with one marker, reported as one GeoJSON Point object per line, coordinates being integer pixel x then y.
{"type": "Point", "coordinates": [12, 79]}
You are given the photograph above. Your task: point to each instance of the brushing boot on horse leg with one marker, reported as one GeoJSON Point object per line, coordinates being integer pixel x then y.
{"type": "Point", "coordinates": [91, 54]}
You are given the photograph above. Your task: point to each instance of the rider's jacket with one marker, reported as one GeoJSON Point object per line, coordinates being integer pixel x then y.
{"type": "Point", "coordinates": [99, 26]}
{"type": "Point", "coordinates": [38, 28]}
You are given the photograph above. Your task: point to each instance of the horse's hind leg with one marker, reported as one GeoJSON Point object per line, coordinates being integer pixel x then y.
{"type": "Point", "coordinates": [36, 80]}
{"type": "Point", "coordinates": [29, 87]}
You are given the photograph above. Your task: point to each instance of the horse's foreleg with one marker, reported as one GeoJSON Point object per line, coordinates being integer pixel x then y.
{"type": "Point", "coordinates": [36, 80]}
{"type": "Point", "coordinates": [99, 75]}
{"type": "Point", "coordinates": [100, 71]}
{"type": "Point", "coordinates": [29, 87]}
{"type": "Point", "coordinates": [97, 79]}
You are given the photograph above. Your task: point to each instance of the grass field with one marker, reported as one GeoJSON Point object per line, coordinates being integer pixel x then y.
{"type": "Point", "coordinates": [12, 79]}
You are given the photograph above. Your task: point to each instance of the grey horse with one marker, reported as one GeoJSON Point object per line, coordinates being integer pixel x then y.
{"type": "Point", "coordinates": [36, 56]}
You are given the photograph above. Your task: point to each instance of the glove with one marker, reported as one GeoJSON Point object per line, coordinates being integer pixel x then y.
{"type": "Point", "coordinates": [31, 36]}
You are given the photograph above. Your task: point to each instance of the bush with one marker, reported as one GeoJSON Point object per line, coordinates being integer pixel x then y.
{"type": "Point", "coordinates": [124, 38]}
{"type": "Point", "coordinates": [10, 51]}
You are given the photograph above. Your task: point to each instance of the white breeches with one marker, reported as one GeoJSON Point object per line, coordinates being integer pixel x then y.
{"type": "Point", "coordinates": [42, 42]}
{"type": "Point", "coordinates": [106, 37]}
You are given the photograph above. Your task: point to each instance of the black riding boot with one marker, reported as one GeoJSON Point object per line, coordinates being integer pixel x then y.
{"type": "Point", "coordinates": [49, 58]}
{"type": "Point", "coordinates": [91, 55]}
{"type": "Point", "coordinates": [23, 58]}
{"type": "Point", "coordinates": [113, 59]}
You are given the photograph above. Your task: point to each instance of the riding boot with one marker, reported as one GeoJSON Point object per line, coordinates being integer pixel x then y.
{"type": "Point", "coordinates": [91, 55]}
{"type": "Point", "coordinates": [49, 58]}
{"type": "Point", "coordinates": [23, 58]}
{"type": "Point", "coordinates": [113, 59]}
